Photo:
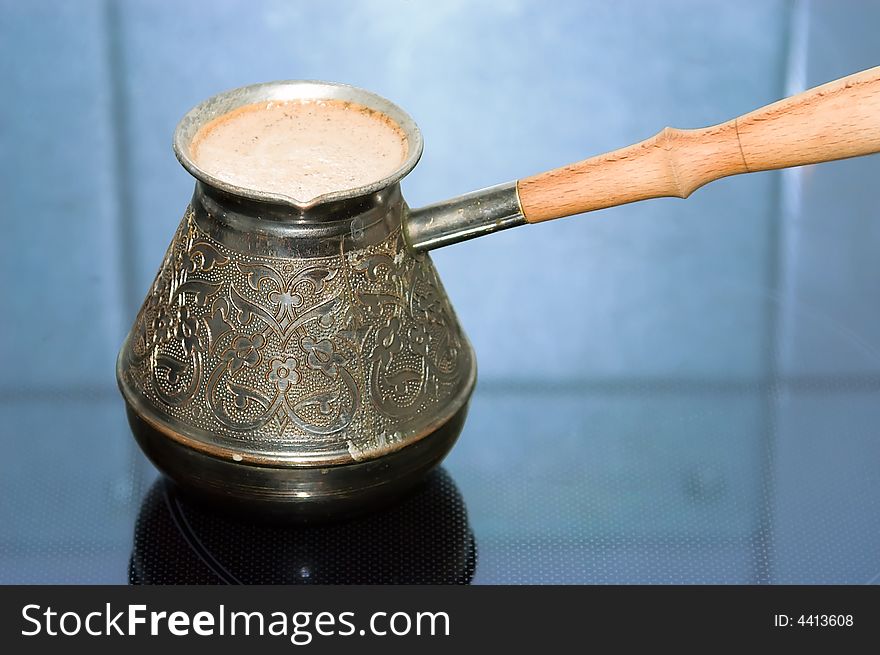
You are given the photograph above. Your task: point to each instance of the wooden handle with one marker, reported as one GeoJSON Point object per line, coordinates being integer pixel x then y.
{"type": "Point", "coordinates": [833, 121]}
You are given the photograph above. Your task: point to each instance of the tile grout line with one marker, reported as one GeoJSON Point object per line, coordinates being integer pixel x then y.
{"type": "Point", "coordinates": [779, 281]}
{"type": "Point", "coordinates": [116, 66]}
{"type": "Point", "coordinates": [116, 63]}
{"type": "Point", "coordinates": [565, 388]}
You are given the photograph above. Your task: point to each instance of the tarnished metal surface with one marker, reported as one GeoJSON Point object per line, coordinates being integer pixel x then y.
{"type": "Point", "coordinates": [464, 217]}
{"type": "Point", "coordinates": [302, 360]}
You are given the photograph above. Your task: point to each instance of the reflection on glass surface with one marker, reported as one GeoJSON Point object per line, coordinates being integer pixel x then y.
{"type": "Point", "coordinates": [425, 539]}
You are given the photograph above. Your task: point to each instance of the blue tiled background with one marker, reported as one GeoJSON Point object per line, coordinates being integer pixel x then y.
{"type": "Point", "coordinates": [644, 351]}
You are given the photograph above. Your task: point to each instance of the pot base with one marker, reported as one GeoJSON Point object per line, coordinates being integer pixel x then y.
{"type": "Point", "coordinates": [296, 493]}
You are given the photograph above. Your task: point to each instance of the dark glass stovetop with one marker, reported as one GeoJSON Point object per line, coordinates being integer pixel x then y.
{"type": "Point", "coordinates": [768, 482]}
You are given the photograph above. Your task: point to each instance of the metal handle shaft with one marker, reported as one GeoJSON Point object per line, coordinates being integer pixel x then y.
{"type": "Point", "coordinates": [464, 217]}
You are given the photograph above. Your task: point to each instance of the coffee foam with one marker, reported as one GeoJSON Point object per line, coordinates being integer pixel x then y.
{"type": "Point", "coordinates": [300, 148]}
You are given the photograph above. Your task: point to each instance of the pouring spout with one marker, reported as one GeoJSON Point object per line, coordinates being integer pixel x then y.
{"type": "Point", "coordinates": [464, 217]}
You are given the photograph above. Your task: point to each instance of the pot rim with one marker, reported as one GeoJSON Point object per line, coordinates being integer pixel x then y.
{"type": "Point", "coordinates": [284, 90]}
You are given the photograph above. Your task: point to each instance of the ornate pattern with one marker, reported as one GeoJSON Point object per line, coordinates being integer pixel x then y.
{"type": "Point", "coordinates": [321, 356]}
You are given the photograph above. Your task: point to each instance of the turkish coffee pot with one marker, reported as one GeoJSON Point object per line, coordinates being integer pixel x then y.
{"type": "Point", "coordinates": [303, 359]}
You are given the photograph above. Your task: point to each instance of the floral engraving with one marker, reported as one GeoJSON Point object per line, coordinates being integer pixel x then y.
{"type": "Point", "coordinates": [351, 347]}
{"type": "Point", "coordinates": [245, 351]}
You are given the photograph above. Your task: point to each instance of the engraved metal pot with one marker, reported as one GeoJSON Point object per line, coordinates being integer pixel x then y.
{"type": "Point", "coordinates": [297, 357]}
{"type": "Point", "coordinates": [303, 358]}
